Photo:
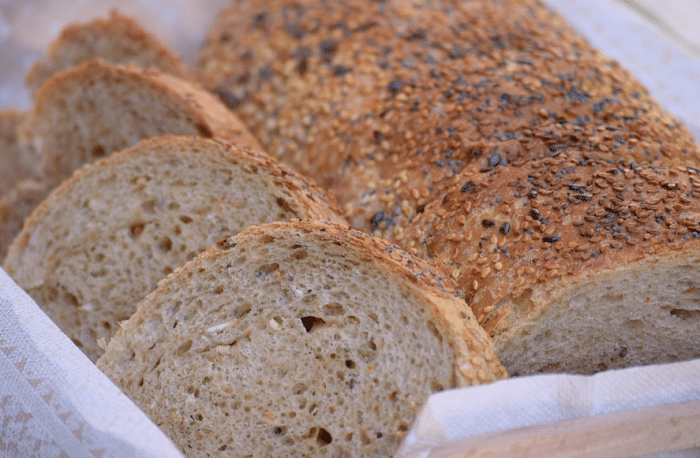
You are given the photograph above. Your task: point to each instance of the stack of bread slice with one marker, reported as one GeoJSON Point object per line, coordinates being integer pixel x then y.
{"type": "Point", "coordinates": [86, 112]}
{"type": "Point", "coordinates": [102, 240]}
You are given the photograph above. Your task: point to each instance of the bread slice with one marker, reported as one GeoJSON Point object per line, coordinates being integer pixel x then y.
{"type": "Point", "coordinates": [16, 162]}
{"type": "Point", "coordinates": [395, 96]}
{"type": "Point", "coordinates": [116, 39]}
{"type": "Point", "coordinates": [573, 263]}
{"type": "Point", "coordinates": [15, 205]}
{"type": "Point", "coordinates": [296, 339]}
{"type": "Point", "coordinates": [21, 188]}
{"type": "Point", "coordinates": [91, 110]}
{"type": "Point", "coordinates": [101, 241]}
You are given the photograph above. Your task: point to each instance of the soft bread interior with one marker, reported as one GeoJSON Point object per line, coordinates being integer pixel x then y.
{"type": "Point", "coordinates": [647, 312]}
{"type": "Point", "coordinates": [85, 115]}
{"type": "Point", "coordinates": [283, 347]}
{"type": "Point", "coordinates": [105, 238]}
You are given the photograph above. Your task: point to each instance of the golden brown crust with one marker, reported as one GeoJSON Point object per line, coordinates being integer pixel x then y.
{"type": "Point", "coordinates": [383, 101]}
{"type": "Point", "coordinates": [116, 39]}
{"type": "Point", "coordinates": [513, 230]}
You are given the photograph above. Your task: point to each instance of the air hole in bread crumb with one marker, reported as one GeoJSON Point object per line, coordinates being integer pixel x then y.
{"type": "Point", "coordinates": [242, 310]}
{"type": "Point", "coordinates": [280, 431]}
{"type": "Point", "coordinates": [166, 244]}
{"type": "Point", "coordinates": [311, 322]}
{"type": "Point", "coordinates": [184, 348]}
{"type": "Point", "coordinates": [685, 314]}
{"type": "Point", "coordinates": [223, 448]}
{"type": "Point", "coordinates": [98, 151]}
{"type": "Point", "coordinates": [333, 308]}
{"type": "Point", "coordinates": [267, 268]}
{"type": "Point", "coordinates": [433, 329]}
{"type": "Point", "coordinates": [204, 131]}
{"type": "Point", "coordinates": [284, 205]}
{"type": "Point", "coordinates": [141, 382]}
{"type": "Point", "coordinates": [324, 437]}
{"type": "Point", "coordinates": [136, 229]}
{"type": "Point", "coordinates": [71, 299]}
{"type": "Point", "coordinates": [436, 386]}
{"type": "Point", "coordinates": [350, 364]}
{"type": "Point", "coordinates": [219, 290]}
{"type": "Point", "coordinates": [186, 219]}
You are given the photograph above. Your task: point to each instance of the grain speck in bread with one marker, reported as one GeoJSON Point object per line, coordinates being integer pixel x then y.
{"type": "Point", "coordinates": [296, 339]}
{"type": "Point", "coordinates": [115, 39]}
{"type": "Point", "coordinates": [573, 263]}
{"type": "Point", "coordinates": [102, 240]}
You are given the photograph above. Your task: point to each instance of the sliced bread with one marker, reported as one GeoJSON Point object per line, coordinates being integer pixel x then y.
{"type": "Point", "coordinates": [102, 240]}
{"type": "Point", "coordinates": [296, 339]}
{"type": "Point", "coordinates": [116, 39]}
{"type": "Point", "coordinates": [16, 162]}
{"type": "Point", "coordinates": [89, 111]}
{"type": "Point", "coordinates": [15, 205]}
{"type": "Point", "coordinates": [571, 263]}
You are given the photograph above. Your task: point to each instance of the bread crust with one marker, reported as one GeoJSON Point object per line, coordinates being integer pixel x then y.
{"type": "Point", "coordinates": [117, 39]}
{"type": "Point", "coordinates": [384, 102]}
{"type": "Point", "coordinates": [516, 236]}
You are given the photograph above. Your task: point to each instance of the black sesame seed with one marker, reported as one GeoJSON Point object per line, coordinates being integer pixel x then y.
{"type": "Point", "coordinates": [551, 238]}
{"type": "Point", "coordinates": [468, 186]}
{"type": "Point", "coordinates": [395, 86]}
{"type": "Point", "coordinates": [488, 222]}
{"type": "Point", "coordinates": [504, 229]}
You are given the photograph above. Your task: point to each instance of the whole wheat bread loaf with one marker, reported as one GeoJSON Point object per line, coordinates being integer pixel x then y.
{"type": "Point", "coordinates": [102, 240]}
{"type": "Point", "coordinates": [573, 264]}
{"type": "Point", "coordinates": [115, 39]}
{"type": "Point", "coordinates": [384, 100]}
{"type": "Point", "coordinates": [296, 339]}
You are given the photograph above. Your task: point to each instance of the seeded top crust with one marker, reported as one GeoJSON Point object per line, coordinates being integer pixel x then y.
{"type": "Point", "coordinates": [385, 100]}
{"type": "Point", "coordinates": [102, 240]}
{"type": "Point", "coordinates": [296, 339]}
{"type": "Point", "coordinates": [519, 238]}
{"type": "Point", "coordinates": [116, 39]}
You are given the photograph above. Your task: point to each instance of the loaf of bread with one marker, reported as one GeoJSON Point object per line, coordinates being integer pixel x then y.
{"type": "Point", "coordinates": [471, 134]}
{"type": "Point", "coordinates": [296, 339]}
{"type": "Point", "coordinates": [116, 39]}
{"type": "Point", "coordinates": [383, 101]}
{"type": "Point", "coordinates": [102, 240]}
{"type": "Point", "coordinates": [574, 265]}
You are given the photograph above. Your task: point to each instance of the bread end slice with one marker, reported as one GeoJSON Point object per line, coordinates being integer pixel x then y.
{"type": "Point", "coordinates": [116, 39]}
